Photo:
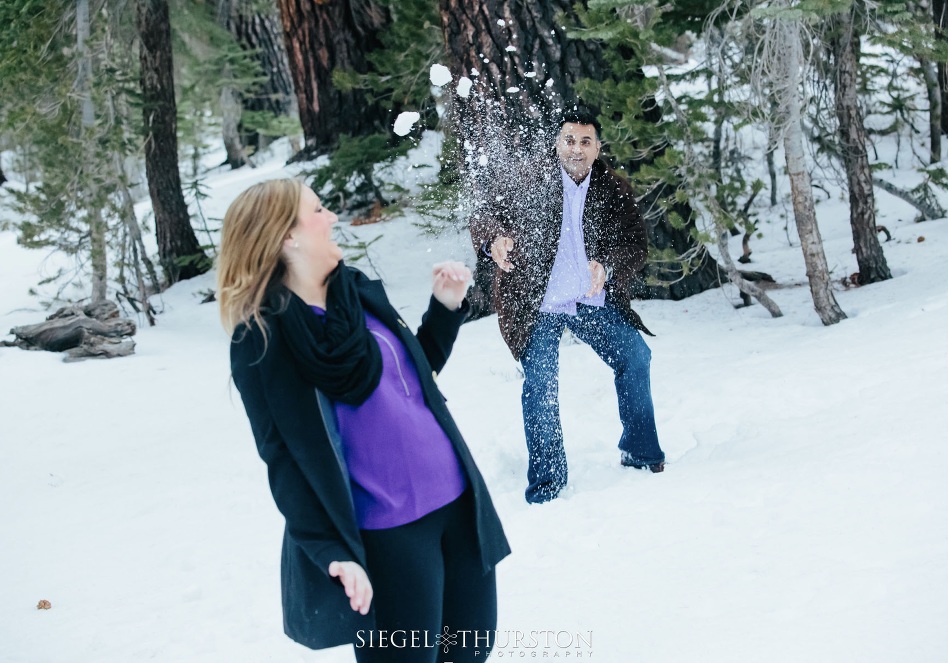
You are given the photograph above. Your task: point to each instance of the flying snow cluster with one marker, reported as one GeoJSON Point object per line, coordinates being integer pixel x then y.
{"type": "Point", "coordinates": [494, 151]}
{"type": "Point", "coordinates": [464, 87]}
{"type": "Point", "coordinates": [404, 122]}
{"type": "Point", "coordinates": [439, 75]}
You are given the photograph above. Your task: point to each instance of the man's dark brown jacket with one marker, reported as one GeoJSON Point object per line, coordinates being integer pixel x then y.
{"type": "Point", "coordinates": [530, 211]}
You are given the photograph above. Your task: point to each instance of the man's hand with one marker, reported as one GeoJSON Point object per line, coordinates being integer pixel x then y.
{"type": "Point", "coordinates": [499, 249]}
{"type": "Point", "coordinates": [450, 283]}
{"type": "Point", "coordinates": [598, 275]}
{"type": "Point", "coordinates": [356, 583]}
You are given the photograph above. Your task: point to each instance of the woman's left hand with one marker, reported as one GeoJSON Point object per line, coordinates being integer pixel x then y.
{"type": "Point", "coordinates": [450, 283]}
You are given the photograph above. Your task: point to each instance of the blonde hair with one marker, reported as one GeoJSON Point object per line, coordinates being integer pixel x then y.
{"type": "Point", "coordinates": [251, 257]}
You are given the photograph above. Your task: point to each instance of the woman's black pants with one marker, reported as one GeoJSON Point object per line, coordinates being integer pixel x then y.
{"type": "Point", "coordinates": [432, 601]}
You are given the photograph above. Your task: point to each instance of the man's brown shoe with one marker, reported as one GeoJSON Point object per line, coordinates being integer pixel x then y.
{"type": "Point", "coordinates": [628, 461]}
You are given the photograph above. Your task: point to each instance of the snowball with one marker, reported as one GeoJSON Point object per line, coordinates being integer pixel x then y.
{"type": "Point", "coordinates": [530, 74]}
{"type": "Point", "coordinates": [500, 22]}
{"type": "Point", "coordinates": [475, 72]}
{"type": "Point", "coordinates": [440, 75]}
{"type": "Point", "coordinates": [511, 90]}
{"type": "Point", "coordinates": [549, 82]}
{"type": "Point", "coordinates": [511, 49]}
{"type": "Point", "coordinates": [482, 160]}
{"type": "Point", "coordinates": [464, 86]}
{"type": "Point", "coordinates": [404, 122]}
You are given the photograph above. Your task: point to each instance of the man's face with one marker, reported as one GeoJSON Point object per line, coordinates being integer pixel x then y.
{"type": "Point", "coordinates": [577, 147]}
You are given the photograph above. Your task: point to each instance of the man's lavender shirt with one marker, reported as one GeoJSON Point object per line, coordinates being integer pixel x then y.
{"type": "Point", "coordinates": [570, 279]}
{"type": "Point", "coordinates": [401, 464]}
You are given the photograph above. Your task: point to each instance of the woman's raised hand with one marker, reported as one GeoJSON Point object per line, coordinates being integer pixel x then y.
{"type": "Point", "coordinates": [356, 583]}
{"type": "Point", "coordinates": [450, 283]}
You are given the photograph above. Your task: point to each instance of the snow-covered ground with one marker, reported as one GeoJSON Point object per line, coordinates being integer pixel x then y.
{"type": "Point", "coordinates": [801, 516]}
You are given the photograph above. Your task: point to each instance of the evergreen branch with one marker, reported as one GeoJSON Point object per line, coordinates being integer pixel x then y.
{"type": "Point", "coordinates": [691, 175]}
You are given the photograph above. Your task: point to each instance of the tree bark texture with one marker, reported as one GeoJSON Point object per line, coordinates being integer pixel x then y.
{"type": "Point", "coordinates": [230, 127]}
{"type": "Point", "coordinates": [136, 244]}
{"type": "Point", "coordinates": [801, 189]}
{"type": "Point", "coordinates": [804, 213]}
{"type": "Point", "coordinates": [180, 254]}
{"type": "Point", "coordinates": [852, 136]}
{"type": "Point", "coordinates": [746, 287]}
{"type": "Point", "coordinates": [524, 70]}
{"type": "Point", "coordinates": [505, 40]}
{"type": "Point", "coordinates": [98, 258]}
{"type": "Point", "coordinates": [771, 166]}
{"type": "Point", "coordinates": [322, 36]}
{"type": "Point", "coordinates": [94, 330]}
{"type": "Point", "coordinates": [930, 75]}
{"type": "Point", "coordinates": [940, 17]}
{"type": "Point", "coordinates": [261, 33]}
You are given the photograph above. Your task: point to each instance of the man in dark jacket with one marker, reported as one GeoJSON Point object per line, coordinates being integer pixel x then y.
{"type": "Point", "coordinates": [568, 241]}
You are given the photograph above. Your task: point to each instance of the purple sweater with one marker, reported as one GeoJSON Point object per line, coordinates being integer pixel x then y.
{"type": "Point", "coordinates": [401, 464]}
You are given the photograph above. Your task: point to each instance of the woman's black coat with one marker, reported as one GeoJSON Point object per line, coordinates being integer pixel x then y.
{"type": "Point", "coordinates": [294, 427]}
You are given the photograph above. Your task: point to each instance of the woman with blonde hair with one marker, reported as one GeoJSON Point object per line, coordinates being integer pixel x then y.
{"type": "Point", "coordinates": [391, 537]}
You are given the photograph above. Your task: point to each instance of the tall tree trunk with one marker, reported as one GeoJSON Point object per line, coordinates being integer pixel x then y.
{"type": "Point", "coordinates": [923, 9]}
{"type": "Point", "coordinates": [136, 244]}
{"type": "Point", "coordinates": [261, 32]}
{"type": "Point", "coordinates": [804, 210]}
{"type": "Point", "coordinates": [230, 100]}
{"type": "Point", "coordinates": [529, 41]}
{"type": "Point", "coordinates": [930, 75]}
{"type": "Point", "coordinates": [852, 135]}
{"type": "Point", "coordinates": [322, 37]}
{"type": "Point", "coordinates": [97, 245]}
{"type": "Point", "coordinates": [179, 253]}
{"type": "Point", "coordinates": [230, 126]}
{"type": "Point", "coordinates": [772, 146]}
{"type": "Point", "coordinates": [525, 69]}
{"type": "Point", "coordinates": [940, 18]}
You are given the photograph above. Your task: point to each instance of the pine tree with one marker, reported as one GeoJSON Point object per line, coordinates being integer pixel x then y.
{"type": "Point", "coordinates": [321, 38]}
{"type": "Point", "coordinates": [97, 239]}
{"type": "Point", "coordinates": [776, 34]}
{"type": "Point", "coordinates": [398, 76]}
{"type": "Point", "coordinates": [636, 35]}
{"type": "Point", "coordinates": [397, 79]}
{"type": "Point", "coordinates": [268, 107]}
{"type": "Point", "coordinates": [907, 29]}
{"type": "Point", "coordinates": [179, 252]}
{"type": "Point", "coordinates": [60, 74]}
{"type": "Point", "coordinates": [843, 43]}
{"type": "Point", "coordinates": [940, 21]}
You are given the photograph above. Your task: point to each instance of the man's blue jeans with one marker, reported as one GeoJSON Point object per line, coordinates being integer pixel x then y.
{"type": "Point", "coordinates": [617, 343]}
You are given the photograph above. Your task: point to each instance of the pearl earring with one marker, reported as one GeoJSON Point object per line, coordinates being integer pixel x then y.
{"type": "Point", "coordinates": [296, 244]}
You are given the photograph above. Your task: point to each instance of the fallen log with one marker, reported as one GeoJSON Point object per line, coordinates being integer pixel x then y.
{"type": "Point", "coordinates": [94, 330]}
{"type": "Point", "coordinates": [98, 346]}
